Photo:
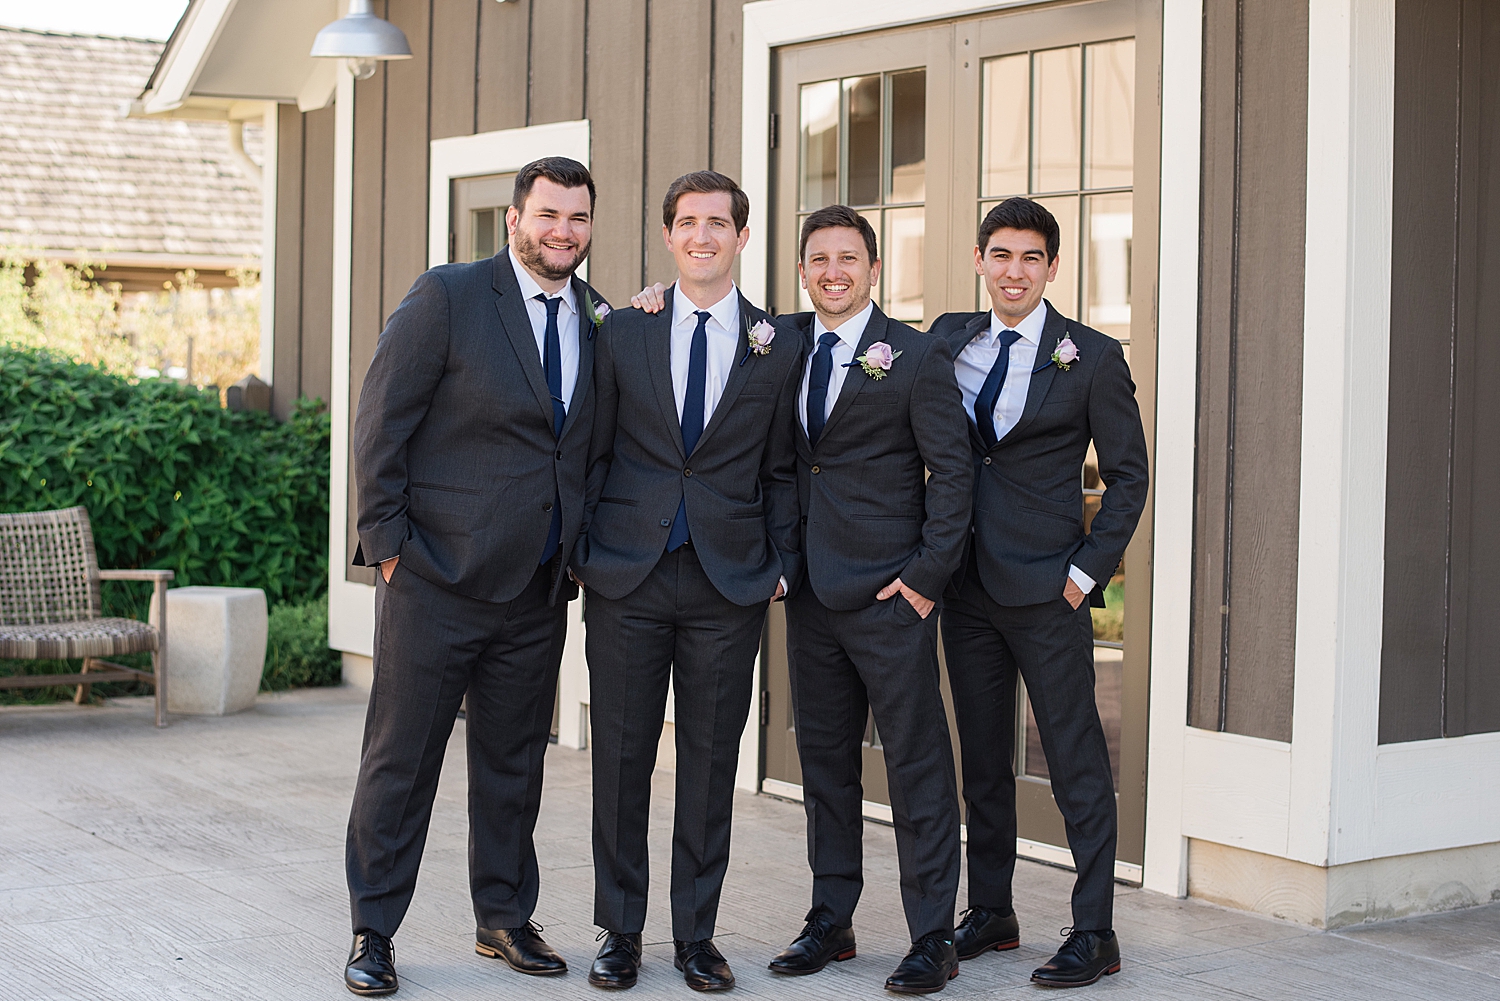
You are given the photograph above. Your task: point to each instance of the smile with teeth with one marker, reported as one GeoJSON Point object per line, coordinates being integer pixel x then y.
{"type": "Point", "coordinates": [702, 255]}
{"type": "Point", "coordinates": [551, 245]}
{"type": "Point", "coordinates": [1012, 290]}
{"type": "Point", "coordinates": [836, 288]}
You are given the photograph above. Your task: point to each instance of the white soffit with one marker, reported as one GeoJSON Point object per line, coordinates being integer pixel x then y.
{"type": "Point", "coordinates": [256, 51]}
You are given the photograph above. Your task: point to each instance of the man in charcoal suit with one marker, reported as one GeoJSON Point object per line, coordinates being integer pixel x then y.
{"type": "Point", "coordinates": [1038, 388]}
{"type": "Point", "coordinates": [470, 448]}
{"type": "Point", "coordinates": [691, 532]}
{"type": "Point", "coordinates": [884, 479]}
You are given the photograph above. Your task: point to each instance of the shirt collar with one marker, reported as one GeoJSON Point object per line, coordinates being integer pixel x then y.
{"type": "Point", "coordinates": [725, 311]}
{"type": "Point", "coordinates": [851, 330]}
{"type": "Point", "coordinates": [530, 289]}
{"type": "Point", "coordinates": [1030, 328]}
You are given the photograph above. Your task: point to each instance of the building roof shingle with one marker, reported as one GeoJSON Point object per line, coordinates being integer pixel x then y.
{"type": "Point", "coordinates": [76, 176]}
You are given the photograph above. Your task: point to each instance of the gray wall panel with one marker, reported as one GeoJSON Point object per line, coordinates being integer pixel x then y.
{"type": "Point", "coordinates": [317, 257]}
{"type": "Point", "coordinates": [677, 113]}
{"type": "Point", "coordinates": [557, 55]}
{"type": "Point", "coordinates": [616, 107]}
{"type": "Point", "coordinates": [286, 358]}
{"type": "Point", "coordinates": [500, 81]}
{"type": "Point", "coordinates": [455, 40]}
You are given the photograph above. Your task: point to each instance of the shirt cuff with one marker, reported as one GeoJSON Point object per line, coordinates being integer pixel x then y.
{"type": "Point", "coordinates": [783, 588]}
{"type": "Point", "coordinates": [1084, 581]}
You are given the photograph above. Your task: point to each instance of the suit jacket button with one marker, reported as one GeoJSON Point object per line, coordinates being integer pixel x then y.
{"type": "Point", "coordinates": [547, 506]}
{"type": "Point", "coordinates": [666, 523]}
{"type": "Point", "coordinates": [986, 460]}
{"type": "Point", "coordinates": [687, 472]}
{"type": "Point", "coordinates": [816, 469]}
{"type": "Point", "coordinates": [559, 454]}
{"type": "Point", "coordinates": [804, 519]}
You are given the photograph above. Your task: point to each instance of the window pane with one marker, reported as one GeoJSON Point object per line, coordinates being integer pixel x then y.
{"type": "Point", "coordinates": [864, 139]}
{"type": "Point", "coordinates": [820, 144]}
{"type": "Point", "coordinates": [482, 228]}
{"type": "Point", "coordinates": [908, 181]}
{"type": "Point", "coordinates": [904, 230]}
{"type": "Point", "coordinates": [1056, 106]}
{"type": "Point", "coordinates": [1108, 265]}
{"type": "Point", "coordinates": [1007, 97]}
{"type": "Point", "coordinates": [1110, 114]}
{"type": "Point", "coordinates": [1063, 292]}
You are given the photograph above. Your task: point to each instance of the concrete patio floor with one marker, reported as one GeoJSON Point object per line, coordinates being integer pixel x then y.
{"type": "Point", "coordinates": [206, 861]}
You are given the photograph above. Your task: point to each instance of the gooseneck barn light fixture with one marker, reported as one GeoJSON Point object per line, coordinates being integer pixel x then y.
{"type": "Point", "coordinates": [362, 40]}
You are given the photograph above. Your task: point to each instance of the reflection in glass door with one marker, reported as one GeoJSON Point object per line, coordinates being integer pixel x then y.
{"type": "Point", "coordinates": [477, 227]}
{"type": "Point", "coordinates": [1058, 126]}
{"type": "Point", "coordinates": [863, 144]}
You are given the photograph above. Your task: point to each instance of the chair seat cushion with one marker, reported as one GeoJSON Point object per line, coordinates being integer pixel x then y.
{"type": "Point", "coordinates": [72, 640]}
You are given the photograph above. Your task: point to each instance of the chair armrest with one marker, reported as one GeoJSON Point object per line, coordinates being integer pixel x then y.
{"type": "Point", "coordinates": [159, 576]}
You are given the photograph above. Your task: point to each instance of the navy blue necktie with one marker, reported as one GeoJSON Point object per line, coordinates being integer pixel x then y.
{"type": "Point", "coordinates": [692, 417]}
{"type": "Point", "coordinates": [817, 386]}
{"type": "Point", "coordinates": [552, 364]}
{"type": "Point", "coordinates": [989, 393]}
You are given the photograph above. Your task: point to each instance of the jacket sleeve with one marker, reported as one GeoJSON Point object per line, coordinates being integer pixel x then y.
{"type": "Point", "coordinates": [602, 439]}
{"type": "Point", "coordinates": [937, 423]}
{"type": "Point", "coordinates": [1120, 443]}
{"type": "Point", "coordinates": [409, 362]}
{"type": "Point", "coordinates": [778, 473]}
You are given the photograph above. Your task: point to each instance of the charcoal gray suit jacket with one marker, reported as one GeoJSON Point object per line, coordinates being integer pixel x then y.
{"type": "Point", "coordinates": [455, 458]}
{"type": "Point", "coordinates": [886, 491]}
{"type": "Point", "coordinates": [1028, 497]}
{"type": "Point", "coordinates": [739, 484]}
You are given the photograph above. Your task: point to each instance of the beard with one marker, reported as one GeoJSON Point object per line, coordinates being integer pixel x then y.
{"type": "Point", "coordinates": [529, 252]}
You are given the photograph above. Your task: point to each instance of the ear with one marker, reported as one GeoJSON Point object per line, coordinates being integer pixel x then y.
{"type": "Point", "coordinates": [666, 237]}
{"type": "Point", "coordinates": [875, 274]}
{"type": "Point", "coordinates": [744, 239]}
{"type": "Point", "coordinates": [1052, 268]}
{"type": "Point", "coordinates": [978, 261]}
{"type": "Point", "coordinates": [512, 219]}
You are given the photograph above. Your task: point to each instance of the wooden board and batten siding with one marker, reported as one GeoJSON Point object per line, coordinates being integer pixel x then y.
{"type": "Point", "coordinates": [1250, 366]}
{"type": "Point", "coordinates": [1437, 673]}
{"type": "Point", "coordinates": [658, 80]}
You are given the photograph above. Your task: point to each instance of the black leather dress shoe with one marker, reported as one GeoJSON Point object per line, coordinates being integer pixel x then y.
{"type": "Point", "coordinates": [522, 948]}
{"type": "Point", "coordinates": [619, 961]}
{"type": "Point", "coordinates": [1084, 958]}
{"type": "Point", "coordinates": [702, 965]}
{"type": "Point", "coordinates": [982, 930]}
{"type": "Point", "coordinates": [929, 966]}
{"type": "Point", "coordinates": [371, 970]}
{"type": "Point", "coordinates": [819, 944]}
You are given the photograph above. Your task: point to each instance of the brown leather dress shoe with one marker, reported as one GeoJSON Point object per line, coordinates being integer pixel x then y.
{"type": "Point", "coordinates": [523, 949]}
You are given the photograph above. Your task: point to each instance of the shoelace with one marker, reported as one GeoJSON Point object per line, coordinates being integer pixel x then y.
{"type": "Point", "coordinates": [529, 930]}
{"type": "Point", "coordinates": [1079, 941]}
{"type": "Point", "coordinates": [379, 947]}
{"type": "Point", "coordinates": [817, 930]}
{"type": "Point", "coordinates": [932, 944]}
{"type": "Point", "coordinates": [701, 947]}
{"type": "Point", "coordinates": [973, 915]}
{"type": "Point", "coordinates": [622, 941]}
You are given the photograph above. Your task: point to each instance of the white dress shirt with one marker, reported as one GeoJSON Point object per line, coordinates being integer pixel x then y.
{"type": "Point", "coordinates": [973, 365]}
{"type": "Point", "coordinates": [850, 331]}
{"type": "Point", "coordinates": [567, 326]}
{"type": "Point", "coordinates": [723, 332]}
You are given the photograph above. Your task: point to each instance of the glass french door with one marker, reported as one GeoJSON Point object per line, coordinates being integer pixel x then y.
{"type": "Point", "coordinates": [923, 130]}
{"type": "Point", "coordinates": [477, 216]}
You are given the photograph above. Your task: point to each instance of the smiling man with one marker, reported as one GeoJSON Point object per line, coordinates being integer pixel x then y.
{"type": "Point", "coordinates": [1038, 388]}
{"type": "Point", "coordinates": [691, 532]}
{"type": "Point", "coordinates": [884, 478]}
{"type": "Point", "coordinates": [469, 450]}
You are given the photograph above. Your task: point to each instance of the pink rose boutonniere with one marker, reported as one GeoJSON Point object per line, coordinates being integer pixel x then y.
{"type": "Point", "coordinates": [1065, 354]}
{"type": "Point", "coordinates": [597, 312]}
{"type": "Point", "coordinates": [758, 340]}
{"type": "Point", "coordinates": [876, 361]}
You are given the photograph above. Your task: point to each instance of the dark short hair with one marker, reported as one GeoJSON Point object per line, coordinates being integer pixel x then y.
{"type": "Point", "coordinates": [834, 216]}
{"type": "Point", "coordinates": [1025, 214]}
{"type": "Point", "coordinates": [706, 182]}
{"type": "Point", "coordinates": [557, 169]}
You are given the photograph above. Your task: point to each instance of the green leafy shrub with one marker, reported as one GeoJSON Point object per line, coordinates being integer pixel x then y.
{"type": "Point", "coordinates": [297, 653]}
{"type": "Point", "coordinates": [1109, 621]}
{"type": "Point", "coordinates": [170, 480]}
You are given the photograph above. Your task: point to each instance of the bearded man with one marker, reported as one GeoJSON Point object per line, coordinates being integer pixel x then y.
{"type": "Point", "coordinates": [470, 447]}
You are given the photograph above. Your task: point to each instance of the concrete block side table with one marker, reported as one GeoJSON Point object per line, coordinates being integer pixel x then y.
{"type": "Point", "coordinates": [216, 650]}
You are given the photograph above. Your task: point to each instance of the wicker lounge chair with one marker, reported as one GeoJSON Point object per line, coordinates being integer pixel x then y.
{"type": "Point", "coordinates": [50, 606]}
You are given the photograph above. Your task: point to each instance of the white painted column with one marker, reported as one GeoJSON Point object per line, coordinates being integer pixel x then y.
{"type": "Point", "coordinates": [1165, 867]}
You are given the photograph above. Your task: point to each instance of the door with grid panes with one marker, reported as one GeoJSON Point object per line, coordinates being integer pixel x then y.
{"type": "Point", "coordinates": [923, 130]}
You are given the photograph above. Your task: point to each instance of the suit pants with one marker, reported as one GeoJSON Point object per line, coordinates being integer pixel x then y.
{"type": "Point", "coordinates": [882, 658]}
{"type": "Point", "coordinates": [675, 625]}
{"type": "Point", "coordinates": [431, 646]}
{"type": "Point", "coordinates": [1052, 646]}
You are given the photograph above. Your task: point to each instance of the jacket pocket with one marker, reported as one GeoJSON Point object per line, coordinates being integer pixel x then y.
{"type": "Point", "coordinates": [420, 485]}
{"type": "Point", "coordinates": [887, 398]}
{"type": "Point", "coordinates": [1070, 519]}
{"type": "Point", "coordinates": [620, 500]}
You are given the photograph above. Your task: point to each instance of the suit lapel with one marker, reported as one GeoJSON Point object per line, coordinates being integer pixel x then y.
{"type": "Point", "coordinates": [854, 376]}
{"type": "Point", "coordinates": [958, 339]}
{"type": "Point", "coordinates": [517, 326]}
{"type": "Point", "coordinates": [739, 373]}
{"type": "Point", "coordinates": [1042, 371]}
{"type": "Point", "coordinates": [808, 345]}
{"type": "Point", "coordinates": [584, 384]}
{"type": "Point", "coordinates": [659, 364]}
